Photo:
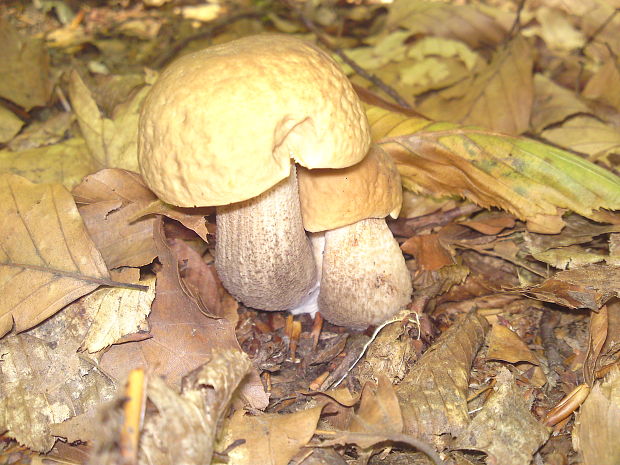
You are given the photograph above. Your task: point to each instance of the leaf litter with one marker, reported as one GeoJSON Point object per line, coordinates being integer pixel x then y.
{"type": "Point", "coordinates": [428, 376]}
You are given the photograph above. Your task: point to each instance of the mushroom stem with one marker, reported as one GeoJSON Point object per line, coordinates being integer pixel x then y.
{"type": "Point", "coordinates": [262, 254]}
{"type": "Point", "coordinates": [364, 276]}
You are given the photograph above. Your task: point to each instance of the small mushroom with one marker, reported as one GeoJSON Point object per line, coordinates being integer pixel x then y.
{"type": "Point", "coordinates": [364, 278]}
{"type": "Point", "coordinates": [223, 127]}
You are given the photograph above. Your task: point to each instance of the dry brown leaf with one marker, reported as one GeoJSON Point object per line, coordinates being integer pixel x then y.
{"type": "Point", "coordinates": [191, 218]}
{"type": "Point", "coordinates": [553, 103]}
{"type": "Point", "coordinates": [433, 395]}
{"type": "Point", "coordinates": [115, 313]}
{"type": "Point", "coordinates": [604, 85]}
{"type": "Point", "coordinates": [597, 424]}
{"type": "Point", "coordinates": [10, 125]}
{"type": "Point", "coordinates": [586, 134]}
{"type": "Point", "coordinates": [111, 141]}
{"type": "Point", "coordinates": [203, 282]}
{"type": "Point", "coordinates": [108, 201]}
{"type": "Point", "coordinates": [428, 251]}
{"type": "Point", "coordinates": [270, 439]}
{"type": "Point", "coordinates": [506, 345]}
{"type": "Point", "coordinates": [41, 133]}
{"type": "Point", "coordinates": [490, 223]}
{"type": "Point", "coordinates": [183, 430]}
{"type": "Point", "coordinates": [498, 98]}
{"type": "Point", "coordinates": [597, 335]}
{"type": "Point", "coordinates": [182, 336]}
{"type": "Point", "coordinates": [24, 68]}
{"type": "Point", "coordinates": [557, 30]}
{"type": "Point", "coordinates": [578, 230]}
{"type": "Point", "coordinates": [47, 259]}
{"type": "Point", "coordinates": [586, 287]}
{"type": "Point", "coordinates": [181, 427]}
{"type": "Point", "coordinates": [505, 429]}
{"type": "Point", "coordinates": [390, 354]}
{"type": "Point", "coordinates": [570, 257]}
{"type": "Point", "coordinates": [44, 381]}
{"type": "Point", "coordinates": [460, 22]}
{"type": "Point", "coordinates": [378, 411]}
{"type": "Point", "coordinates": [366, 441]}
{"type": "Point", "coordinates": [66, 163]}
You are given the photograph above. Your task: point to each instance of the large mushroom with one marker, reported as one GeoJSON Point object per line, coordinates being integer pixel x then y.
{"type": "Point", "coordinates": [363, 276]}
{"type": "Point", "coordinates": [224, 126]}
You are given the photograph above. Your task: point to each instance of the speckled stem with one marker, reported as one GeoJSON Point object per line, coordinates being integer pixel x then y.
{"type": "Point", "coordinates": [262, 254]}
{"type": "Point", "coordinates": [365, 280]}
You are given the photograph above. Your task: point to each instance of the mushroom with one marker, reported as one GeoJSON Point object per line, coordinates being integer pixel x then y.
{"type": "Point", "coordinates": [224, 126]}
{"type": "Point", "coordinates": [363, 278]}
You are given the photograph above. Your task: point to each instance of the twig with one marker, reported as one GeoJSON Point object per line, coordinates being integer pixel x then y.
{"type": "Point", "coordinates": [357, 68]}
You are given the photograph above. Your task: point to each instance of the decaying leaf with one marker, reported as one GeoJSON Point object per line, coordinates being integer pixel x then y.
{"type": "Point", "coordinates": [532, 180]}
{"type": "Point", "coordinates": [181, 427]}
{"type": "Point", "coordinates": [498, 98]}
{"type": "Point", "coordinates": [47, 259]}
{"type": "Point", "coordinates": [24, 68]}
{"type": "Point", "coordinates": [586, 287]}
{"type": "Point", "coordinates": [44, 381]}
{"type": "Point", "coordinates": [108, 201]}
{"type": "Point", "coordinates": [116, 312]}
{"type": "Point", "coordinates": [504, 428]}
{"type": "Point", "coordinates": [66, 163]}
{"type": "Point", "coordinates": [270, 439]}
{"type": "Point", "coordinates": [182, 336]}
{"type": "Point", "coordinates": [184, 429]}
{"type": "Point", "coordinates": [433, 395]}
{"type": "Point", "coordinates": [598, 422]}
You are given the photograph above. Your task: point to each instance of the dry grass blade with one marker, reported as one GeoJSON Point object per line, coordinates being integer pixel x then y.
{"type": "Point", "coordinates": [47, 260]}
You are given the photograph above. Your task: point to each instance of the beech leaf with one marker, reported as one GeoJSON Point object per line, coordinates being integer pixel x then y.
{"type": "Point", "coordinates": [47, 260]}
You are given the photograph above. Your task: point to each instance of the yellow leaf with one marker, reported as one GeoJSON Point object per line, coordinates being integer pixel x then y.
{"type": "Point", "coordinates": [499, 97]}
{"type": "Point", "coordinates": [65, 163]}
{"type": "Point", "coordinates": [46, 258]}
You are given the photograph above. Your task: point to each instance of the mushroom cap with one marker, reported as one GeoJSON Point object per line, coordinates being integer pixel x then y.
{"type": "Point", "coordinates": [220, 125]}
{"type": "Point", "coordinates": [334, 198]}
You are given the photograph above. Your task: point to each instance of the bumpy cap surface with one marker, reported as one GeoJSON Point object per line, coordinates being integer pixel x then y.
{"type": "Point", "coordinates": [221, 125]}
{"type": "Point", "coordinates": [334, 198]}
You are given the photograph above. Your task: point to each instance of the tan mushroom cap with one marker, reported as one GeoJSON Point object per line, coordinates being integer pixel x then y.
{"type": "Point", "coordinates": [334, 198]}
{"type": "Point", "coordinates": [221, 125]}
